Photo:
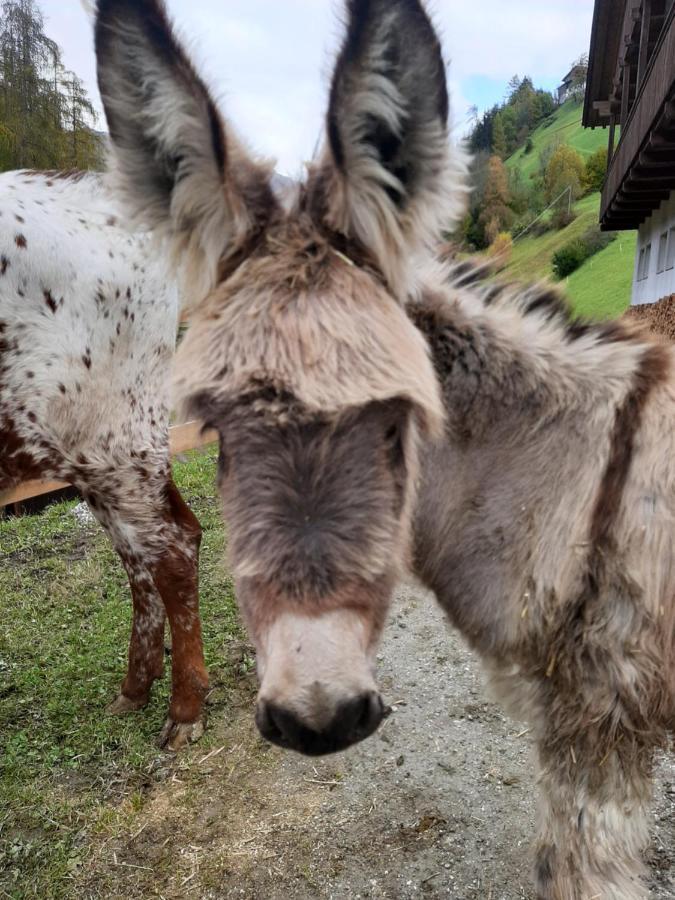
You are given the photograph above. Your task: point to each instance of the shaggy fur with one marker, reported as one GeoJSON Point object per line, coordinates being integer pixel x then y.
{"type": "Point", "coordinates": [297, 321]}
{"type": "Point", "coordinates": [525, 463]}
{"type": "Point", "coordinates": [202, 195]}
{"type": "Point", "coordinates": [544, 526]}
{"type": "Point", "coordinates": [389, 177]}
{"type": "Point", "coordinates": [87, 332]}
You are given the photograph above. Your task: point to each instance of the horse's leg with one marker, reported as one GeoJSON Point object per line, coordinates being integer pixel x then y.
{"type": "Point", "coordinates": [593, 822]}
{"type": "Point", "coordinates": [158, 541]}
{"type": "Point", "coordinates": [176, 577]}
{"type": "Point", "coordinates": [146, 647]}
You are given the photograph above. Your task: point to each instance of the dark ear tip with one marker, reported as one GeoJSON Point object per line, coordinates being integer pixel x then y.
{"type": "Point", "coordinates": [126, 9]}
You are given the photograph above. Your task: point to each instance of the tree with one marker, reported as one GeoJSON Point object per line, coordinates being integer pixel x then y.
{"type": "Point", "coordinates": [579, 77]}
{"type": "Point", "coordinates": [46, 118]}
{"type": "Point", "coordinates": [499, 137]}
{"type": "Point", "coordinates": [496, 214]}
{"type": "Point", "coordinates": [596, 169]}
{"type": "Point", "coordinates": [565, 170]}
{"type": "Point", "coordinates": [501, 250]}
{"type": "Point", "coordinates": [83, 149]}
{"type": "Point", "coordinates": [513, 88]}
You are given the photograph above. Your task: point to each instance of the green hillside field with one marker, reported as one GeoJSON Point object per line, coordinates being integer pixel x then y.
{"type": "Point", "coordinates": [601, 288]}
{"type": "Point", "coordinates": [564, 127]}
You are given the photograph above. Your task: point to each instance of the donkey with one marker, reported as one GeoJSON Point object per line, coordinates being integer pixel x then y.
{"type": "Point", "coordinates": [87, 332]}
{"type": "Point", "coordinates": [377, 412]}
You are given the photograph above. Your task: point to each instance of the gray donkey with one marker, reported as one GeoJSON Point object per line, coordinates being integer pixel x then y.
{"type": "Point", "coordinates": [377, 412]}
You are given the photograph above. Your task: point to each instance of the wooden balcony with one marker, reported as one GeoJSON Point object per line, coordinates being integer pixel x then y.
{"type": "Point", "coordinates": [642, 171]}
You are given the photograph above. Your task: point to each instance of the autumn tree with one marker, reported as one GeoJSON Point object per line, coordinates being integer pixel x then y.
{"type": "Point", "coordinates": [565, 169]}
{"type": "Point", "coordinates": [46, 118]}
{"type": "Point", "coordinates": [496, 215]}
{"type": "Point", "coordinates": [82, 146]}
{"type": "Point", "coordinates": [596, 169]}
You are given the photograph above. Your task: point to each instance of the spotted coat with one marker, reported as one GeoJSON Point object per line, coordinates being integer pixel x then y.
{"type": "Point", "coordinates": [88, 319]}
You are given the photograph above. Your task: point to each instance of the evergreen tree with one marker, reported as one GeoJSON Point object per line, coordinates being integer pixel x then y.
{"type": "Point", "coordinates": [513, 88]}
{"type": "Point", "coordinates": [499, 147]}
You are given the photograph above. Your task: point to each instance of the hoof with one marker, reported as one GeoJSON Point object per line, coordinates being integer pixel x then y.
{"type": "Point", "coordinates": [176, 736]}
{"type": "Point", "coordinates": [124, 705]}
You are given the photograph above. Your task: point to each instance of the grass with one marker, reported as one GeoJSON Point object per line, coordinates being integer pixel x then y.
{"type": "Point", "coordinates": [65, 767]}
{"type": "Point", "coordinates": [601, 288]}
{"type": "Point", "coordinates": [563, 126]}
{"type": "Point", "coordinates": [532, 254]}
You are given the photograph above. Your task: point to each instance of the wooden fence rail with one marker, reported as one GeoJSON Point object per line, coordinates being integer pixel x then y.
{"type": "Point", "coordinates": [181, 439]}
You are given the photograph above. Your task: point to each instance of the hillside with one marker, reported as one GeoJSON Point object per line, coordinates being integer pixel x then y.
{"type": "Point", "coordinates": [601, 287]}
{"type": "Point", "coordinates": [564, 127]}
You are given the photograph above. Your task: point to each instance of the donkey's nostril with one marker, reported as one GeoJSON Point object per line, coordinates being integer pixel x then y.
{"type": "Point", "coordinates": [353, 721]}
{"type": "Point", "coordinates": [274, 724]}
{"type": "Point", "coordinates": [358, 718]}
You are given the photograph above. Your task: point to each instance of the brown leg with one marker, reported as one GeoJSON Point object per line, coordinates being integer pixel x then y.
{"type": "Point", "coordinates": [146, 648]}
{"type": "Point", "coordinates": [176, 577]}
{"type": "Point", "coordinates": [161, 557]}
{"type": "Point", "coordinates": [593, 825]}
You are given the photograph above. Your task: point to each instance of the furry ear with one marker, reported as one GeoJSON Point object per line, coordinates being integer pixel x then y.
{"type": "Point", "coordinates": [175, 165]}
{"type": "Point", "coordinates": [389, 177]}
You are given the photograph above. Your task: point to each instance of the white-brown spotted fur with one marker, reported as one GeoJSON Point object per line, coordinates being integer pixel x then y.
{"type": "Point", "coordinates": [88, 320]}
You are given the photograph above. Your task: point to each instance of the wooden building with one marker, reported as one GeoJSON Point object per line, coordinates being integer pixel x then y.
{"type": "Point", "coordinates": [631, 90]}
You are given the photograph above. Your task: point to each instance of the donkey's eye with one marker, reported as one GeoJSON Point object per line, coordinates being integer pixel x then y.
{"type": "Point", "coordinates": [393, 433]}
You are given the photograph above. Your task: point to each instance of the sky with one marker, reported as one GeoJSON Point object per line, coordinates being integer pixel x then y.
{"type": "Point", "coordinates": [269, 61]}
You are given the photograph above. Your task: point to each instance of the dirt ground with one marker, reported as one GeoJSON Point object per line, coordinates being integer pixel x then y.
{"type": "Point", "coordinates": [440, 803]}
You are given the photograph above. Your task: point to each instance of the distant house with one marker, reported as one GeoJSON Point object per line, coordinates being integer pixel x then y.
{"type": "Point", "coordinates": [573, 84]}
{"type": "Point", "coordinates": [631, 83]}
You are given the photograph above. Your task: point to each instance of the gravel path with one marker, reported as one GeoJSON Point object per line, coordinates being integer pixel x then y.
{"type": "Point", "coordinates": [440, 803]}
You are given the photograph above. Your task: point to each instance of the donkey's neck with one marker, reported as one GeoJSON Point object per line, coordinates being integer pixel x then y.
{"type": "Point", "coordinates": [509, 496]}
{"type": "Point", "coordinates": [519, 358]}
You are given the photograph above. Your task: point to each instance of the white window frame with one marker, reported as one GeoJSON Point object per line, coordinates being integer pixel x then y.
{"type": "Point", "coordinates": [647, 262]}
{"type": "Point", "coordinates": [670, 254]}
{"type": "Point", "coordinates": [663, 250]}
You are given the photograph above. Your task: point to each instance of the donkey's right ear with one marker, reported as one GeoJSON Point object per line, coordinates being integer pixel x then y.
{"type": "Point", "coordinates": [389, 177]}
{"type": "Point", "coordinates": [178, 170]}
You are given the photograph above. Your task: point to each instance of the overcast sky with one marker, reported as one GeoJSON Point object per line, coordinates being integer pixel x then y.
{"type": "Point", "coordinates": [269, 61]}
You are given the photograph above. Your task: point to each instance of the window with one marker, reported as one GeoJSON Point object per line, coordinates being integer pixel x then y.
{"type": "Point", "coordinates": [670, 256]}
{"type": "Point", "coordinates": [644, 261]}
{"type": "Point", "coordinates": [647, 262]}
{"type": "Point", "coordinates": [663, 246]}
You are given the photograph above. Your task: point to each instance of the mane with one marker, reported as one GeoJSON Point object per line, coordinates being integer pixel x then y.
{"type": "Point", "coordinates": [541, 299]}
{"type": "Point", "coordinates": [503, 345]}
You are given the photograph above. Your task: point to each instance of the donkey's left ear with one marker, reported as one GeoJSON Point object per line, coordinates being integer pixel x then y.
{"type": "Point", "coordinates": [389, 177]}
{"type": "Point", "coordinates": [177, 167]}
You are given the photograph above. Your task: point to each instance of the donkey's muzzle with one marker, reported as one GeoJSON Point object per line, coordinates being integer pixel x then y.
{"type": "Point", "coordinates": [354, 720]}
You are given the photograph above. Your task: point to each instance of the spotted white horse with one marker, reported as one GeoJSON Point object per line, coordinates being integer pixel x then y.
{"type": "Point", "coordinates": [88, 321]}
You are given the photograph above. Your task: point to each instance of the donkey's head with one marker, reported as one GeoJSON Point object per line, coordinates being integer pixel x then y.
{"type": "Point", "coordinates": [300, 352]}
